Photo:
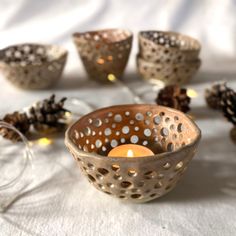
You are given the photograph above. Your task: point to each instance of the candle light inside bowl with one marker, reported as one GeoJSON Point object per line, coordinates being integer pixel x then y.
{"type": "Point", "coordinates": [130, 150]}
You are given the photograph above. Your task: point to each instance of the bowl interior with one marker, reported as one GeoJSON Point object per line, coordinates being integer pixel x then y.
{"type": "Point", "coordinates": [159, 128]}
{"type": "Point", "coordinates": [106, 36]}
{"type": "Point", "coordinates": [31, 54]}
{"type": "Point", "coordinates": [171, 40]}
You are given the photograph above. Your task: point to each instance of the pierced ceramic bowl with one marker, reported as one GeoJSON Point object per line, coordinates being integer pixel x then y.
{"type": "Point", "coordinates": [33, 66]}
{"type": "Point", "coordinates": [170, 134]}
{"type": "Point", "coordinates": [168, 47]}
{"type": "Point", "coordinates": [168, 73]}
{"type": "Point", "coordinates": [104, 52]}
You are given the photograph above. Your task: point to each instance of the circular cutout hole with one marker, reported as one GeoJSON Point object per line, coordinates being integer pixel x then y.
{"type": "Point", "coordinates": [98, 176]}
{"type": "Point", "coordinates": [153, 195]}
{"type": "Point", "coordinates": [87, 131]}
{"type": "Point", "coordinates": [150, 174]}
{"type": "Point", "coordinates": [139, 116]}
{"type": "Point", "coordinates": [122, 140]}
{"type": "Point", "coordinates": [147, 132]}
{"type": "Point", "coordinates": [107, 131]}
{"type": "Point", "coordinates": [136, 195]}
{"type": "Point", "coordinates": [117, 177]}
{"type": "Point", "coordinates": [157, 120]}
{"type": "Point", "coordinates": [90, 166]}
{"type": "Point", "coordinates": [103, 171]}
{"type": "Point", "coordinates": [107, 192]}
{"type": "Point", "coordinates": [125, 184]}
{"type": "Point", "coordinates": [118, 118]}
{"type": "Point", "coordinates": [180, 127]}
{"type": "Point", "coordinates": [167, 166]}
{"type": "Point", "coordinates": [115, 167]}
{"type": "Point", "coordinates": [98, 143]}
{"type": "Point", "coordinates": [158, 185]}
{"type": "Point", "coordinates": [132, 173]}
{"type": "Point", "coordinates": [91, 178]}
{"type": "Point", "coordinates": [164, 132]}
{"type": "Point", "coordinates": [110, 185]}
{"type": "Point", "coordinates": [121, 196]}
{"type": "Point", "coordinates": [170, 147]}
{"type": "Point", "coordinates": [134, 139]}
{"type": "Point", "coordinates": [179, 166]}
{"type": "Point", "coordinates": [97, 122]}
{"type": "Point", "coordinates": [125, 130]}
{"type": "Point", "coordinates": [114, 143]}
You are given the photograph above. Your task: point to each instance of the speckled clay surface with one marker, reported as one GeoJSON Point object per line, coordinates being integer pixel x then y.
{"type": "Point", "coordinates": [104, 52]}
{"type": "Point", "coordinates": [32, 66]}
{"type": "Point", "coordinates": [168, 73]}
{"type": "Point", "coordinates": [165, 131]}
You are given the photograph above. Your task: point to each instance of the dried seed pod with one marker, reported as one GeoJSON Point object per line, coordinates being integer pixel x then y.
{"type": "Point", "coordinates": [175, 97]}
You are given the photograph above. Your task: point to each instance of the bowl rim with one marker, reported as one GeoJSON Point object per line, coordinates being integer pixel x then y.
{"type": "Point", "coordinates": [69, 143]}
{"type": "Point", "coordinates": [199, 46]}
{"type": "Point", "coordinates": [63, 53]}
{"type": "Point", "coordinates": [77, 35]}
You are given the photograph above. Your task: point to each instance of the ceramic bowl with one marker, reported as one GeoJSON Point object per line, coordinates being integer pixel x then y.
{"type": "Point", "coordinates": [104, 52]}
{"type": "Point", "coordinates": [170, 134]}
{"type": "Point", "coordinates": [33, 66]}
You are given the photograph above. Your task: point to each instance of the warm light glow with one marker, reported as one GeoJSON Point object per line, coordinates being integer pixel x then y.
{"type": "Point", "coordinates": [44, 141]}
{"type": "Point", "coordinates": [110, 58]}
{"type": "Point", "coordinates": [100, 61]}
{"type": "Point", "coordinates": [130, 153]}
{"type": "Point", "coordinates": [192, 93]}
{"type": "Point", "coordinates": [68, 114]}
{"type": "Point", "coordinates": [111, 77]}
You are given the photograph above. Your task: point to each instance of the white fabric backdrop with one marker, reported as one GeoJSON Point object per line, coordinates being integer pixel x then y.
{"type": "Point", "coordinates": [62, 202]}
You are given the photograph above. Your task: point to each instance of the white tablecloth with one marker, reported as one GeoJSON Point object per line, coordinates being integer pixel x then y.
{"type": "Point", "coordinates": [61, 201]}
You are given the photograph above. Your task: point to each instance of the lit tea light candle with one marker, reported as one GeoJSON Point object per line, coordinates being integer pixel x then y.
{"type": "Point", "coordinates": [130, 150]}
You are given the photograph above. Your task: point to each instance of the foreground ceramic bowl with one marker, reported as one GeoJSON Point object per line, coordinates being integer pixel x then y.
{"type": "Point", "coordinates": [167, 132]}
{"type": "Point", "coordinates": [168, 73]}
{"type": "Point", "coordinates": [33, 66]}
{"type": "Point", "coordinates": [168, 47]}
{"type": "Point", "coordinates": [104, 52]}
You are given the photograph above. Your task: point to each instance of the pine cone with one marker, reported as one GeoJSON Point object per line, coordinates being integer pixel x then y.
{"type": "Point", "coordinates": [228, 105]}
{"type": "Point", "coordinates": [48, 114]}
{"type": "Point", "coordinates": [43, 116]}
{"type": "Point", "coordinates": [175, 97]}
{"type": "Point", "coordinates": [233, 134]}
{"type": "Point", "coordinates": [19, 121]}
{"type": "Point", "coordinates": [213, 95]}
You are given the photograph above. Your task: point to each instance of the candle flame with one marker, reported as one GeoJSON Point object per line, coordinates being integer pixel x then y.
{"type": "Point", "coordinates": [130, 153]}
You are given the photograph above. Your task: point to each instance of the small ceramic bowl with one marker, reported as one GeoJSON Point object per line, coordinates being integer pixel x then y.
{"type": "Point", "coordinates": [168, 73]}
{"type": "Point", "coordinates": [33, 66]}
{"type": "Point", "coordinates": [168, 47]}
{"type": "Point", "coordinates": [169, 133]}
{"type": "Point", "coordinates": [104, 52]}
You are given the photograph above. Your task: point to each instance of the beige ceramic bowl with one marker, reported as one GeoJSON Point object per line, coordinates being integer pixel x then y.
{"type": "Point", "coordinates": [168, 47]}
{"type": "Point", "coordinates": [33, 66]}
{"type": "Point", "coordinates": [170, 134]}
{"type": "Point", "coordinates": [168, 73]}
{"type": "Point", "coordinates": [104, 52]}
